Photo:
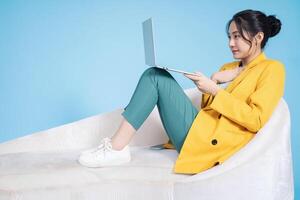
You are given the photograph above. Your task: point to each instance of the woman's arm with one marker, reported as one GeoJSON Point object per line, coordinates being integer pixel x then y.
{"type": "Point", "coordinates": [207, 98]}
{"type": "Point", "coordinates": [226, 75]}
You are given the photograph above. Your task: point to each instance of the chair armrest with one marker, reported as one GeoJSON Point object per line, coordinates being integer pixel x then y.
{"type": "Point", "coordinates": [273, 138]}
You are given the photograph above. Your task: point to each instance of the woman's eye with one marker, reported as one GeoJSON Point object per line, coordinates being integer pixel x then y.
{"type": "Point", "coordinates": [235, 36]}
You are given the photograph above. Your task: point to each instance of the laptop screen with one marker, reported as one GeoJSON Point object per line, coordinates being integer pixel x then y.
{"type": "Point", "coordinates": [149, 43]}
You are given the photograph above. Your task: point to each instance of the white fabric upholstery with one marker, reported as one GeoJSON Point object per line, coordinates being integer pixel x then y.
{"type": "Point", "coordinates": [44, 165]}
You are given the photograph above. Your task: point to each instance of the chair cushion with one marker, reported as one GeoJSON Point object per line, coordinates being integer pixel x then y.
{"type": "Point", "coordinates": [35, 174]}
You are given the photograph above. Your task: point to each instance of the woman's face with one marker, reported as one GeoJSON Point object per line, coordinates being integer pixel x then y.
{"type": "Point", "coordinates": [239, 47]}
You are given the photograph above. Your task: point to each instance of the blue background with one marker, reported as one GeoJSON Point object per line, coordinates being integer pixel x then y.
{"type": "Point", "coordinates": [61, 61]}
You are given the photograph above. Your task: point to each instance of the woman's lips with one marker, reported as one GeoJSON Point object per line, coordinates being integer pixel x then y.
{"type": "Point", "coordinates": [235, 51]}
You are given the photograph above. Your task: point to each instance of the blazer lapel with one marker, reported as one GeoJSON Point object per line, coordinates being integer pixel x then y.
{"type": "Point", "coordinates": [261, 57]}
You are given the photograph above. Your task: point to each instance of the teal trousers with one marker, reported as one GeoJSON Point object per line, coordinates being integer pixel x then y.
{"type": "Point", "coordinates": [158, 87]}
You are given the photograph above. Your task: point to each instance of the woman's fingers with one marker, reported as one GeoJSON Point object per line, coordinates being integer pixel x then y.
{"type": "Point", "coordinates": [199, 73]}
{"type": "Point", "coordinates": [214, 80]}
{"type": "Point", "coordinates": [193, 77]}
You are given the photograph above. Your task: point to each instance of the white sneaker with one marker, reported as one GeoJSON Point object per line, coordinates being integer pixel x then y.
{"type": "Point", "coordinates": [104, 155]}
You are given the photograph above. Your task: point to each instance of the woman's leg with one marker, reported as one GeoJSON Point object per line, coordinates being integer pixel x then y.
{"type": "Point", "coordinates": [123, 135]}
{"type": "Point", "coordinates": [157, 87]}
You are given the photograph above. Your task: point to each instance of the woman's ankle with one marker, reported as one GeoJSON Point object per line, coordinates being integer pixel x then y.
{"type": "Point", "coordinates": [117, 146]}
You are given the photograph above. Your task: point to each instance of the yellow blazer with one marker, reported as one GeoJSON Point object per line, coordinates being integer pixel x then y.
{"type": "Point", "coordinates": [227, 121]}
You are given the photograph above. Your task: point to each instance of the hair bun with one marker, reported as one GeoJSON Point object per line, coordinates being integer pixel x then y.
{"type": "Point", "coordinates": [274, 25]}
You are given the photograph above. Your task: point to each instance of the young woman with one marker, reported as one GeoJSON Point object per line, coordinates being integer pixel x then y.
{"type": "Point", "coordinates": [230, 115]}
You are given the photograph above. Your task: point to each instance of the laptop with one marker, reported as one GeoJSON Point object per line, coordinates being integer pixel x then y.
{"type": "Point", "coordinates": [150, 48]}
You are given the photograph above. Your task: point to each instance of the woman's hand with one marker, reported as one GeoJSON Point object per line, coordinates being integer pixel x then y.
{"type": "Point", "coordinates": [225, 76]}
{"type": "Point", "coordinates": [203, 83]}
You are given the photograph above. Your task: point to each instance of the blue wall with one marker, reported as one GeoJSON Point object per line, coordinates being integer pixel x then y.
{"type": "Point", "coordinates": [61, 61]}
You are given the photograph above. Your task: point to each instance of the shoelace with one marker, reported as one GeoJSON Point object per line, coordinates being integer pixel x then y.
{"type": "Point", "coordinates": [105, 146]}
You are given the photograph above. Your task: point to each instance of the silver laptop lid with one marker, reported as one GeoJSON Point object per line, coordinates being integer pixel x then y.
{"type": "Point", "coordinates": [149, 43]}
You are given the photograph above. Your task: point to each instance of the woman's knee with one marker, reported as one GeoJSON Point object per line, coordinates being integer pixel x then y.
{"type": "Point", "coordinates": [155, 71]}
{"type": "Point", "coordinates": [149, 70]}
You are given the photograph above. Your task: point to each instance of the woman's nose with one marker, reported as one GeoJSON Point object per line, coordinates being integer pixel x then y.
{"type": "Point", "coordinates": [231, 43]}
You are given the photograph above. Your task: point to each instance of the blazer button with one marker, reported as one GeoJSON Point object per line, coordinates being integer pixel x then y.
{"type": "Point", "coordinates": [214, 142]}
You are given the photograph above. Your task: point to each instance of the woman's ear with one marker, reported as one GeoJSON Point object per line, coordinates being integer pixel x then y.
{"type": "Point", "coordinates": [259, 37]}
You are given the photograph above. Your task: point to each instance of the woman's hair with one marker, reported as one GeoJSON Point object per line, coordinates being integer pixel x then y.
{"type": "Point", "coordinates": [252, 22]}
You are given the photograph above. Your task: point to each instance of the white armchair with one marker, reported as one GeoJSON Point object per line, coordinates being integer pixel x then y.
{"type": "Point", "coordinates": [44, 165]}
